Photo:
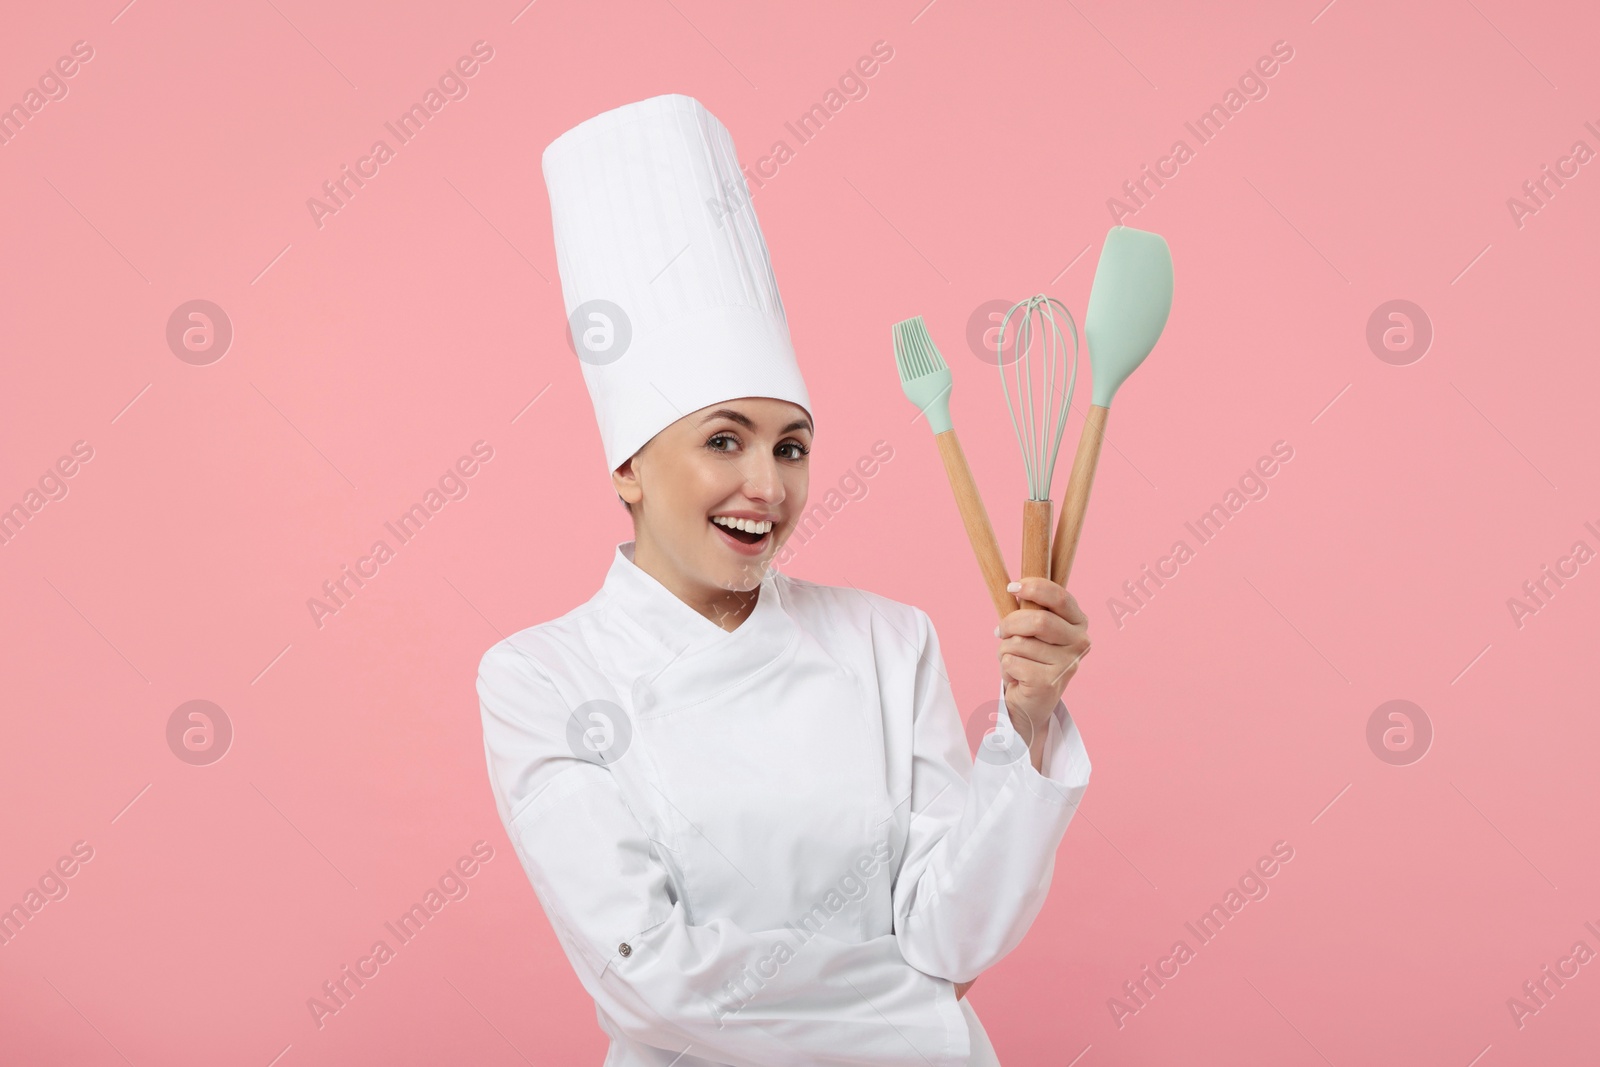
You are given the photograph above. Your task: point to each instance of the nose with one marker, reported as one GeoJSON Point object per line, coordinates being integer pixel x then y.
{"type": "Point", "coordinates": [762, 480]}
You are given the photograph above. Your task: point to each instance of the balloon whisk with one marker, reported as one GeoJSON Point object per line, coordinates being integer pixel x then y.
{"type": "Point", "coordinates": [1029, 324]}
{"type": "Point", "coordinates": [1042, 387]}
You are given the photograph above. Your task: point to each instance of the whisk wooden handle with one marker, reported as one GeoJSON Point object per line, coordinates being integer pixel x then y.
{"type": "Point", "coordinates": [1035, 542]}
{"type": "Point", "coordinates": [976, 519]}
{"type": "Point", "coordinates": [1076, 504]}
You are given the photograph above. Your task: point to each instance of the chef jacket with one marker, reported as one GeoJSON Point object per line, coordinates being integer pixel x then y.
{"type": "Point", "coordinates": [769, 847]}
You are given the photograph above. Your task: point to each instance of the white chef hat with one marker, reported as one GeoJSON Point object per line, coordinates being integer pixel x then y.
{"type": "Point", "coordinates": [670, 298]}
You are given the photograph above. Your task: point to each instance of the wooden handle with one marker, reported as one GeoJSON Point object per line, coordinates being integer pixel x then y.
{"type": "Point", "coordinates": [976, 520]}
{"type": "Point", "coordinates": [1076, 504]}
{"type": "Point", "coordinates": [1035, 542]}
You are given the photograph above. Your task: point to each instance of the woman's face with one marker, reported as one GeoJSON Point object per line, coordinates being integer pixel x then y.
{"type": "Point", "coordinates": [740, 459]}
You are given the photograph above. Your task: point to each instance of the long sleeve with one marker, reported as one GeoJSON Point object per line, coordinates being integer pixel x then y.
{"type": "Point", "coordinates": [746, 998]}
{"type": "Point", "coordinates": [983, 833]}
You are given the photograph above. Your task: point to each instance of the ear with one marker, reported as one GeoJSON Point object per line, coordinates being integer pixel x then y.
{"type": "Point", "coordinates": [626, 482]}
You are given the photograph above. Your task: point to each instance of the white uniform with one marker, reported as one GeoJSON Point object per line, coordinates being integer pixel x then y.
{"type": "Point", "coordinates": [773, 847]}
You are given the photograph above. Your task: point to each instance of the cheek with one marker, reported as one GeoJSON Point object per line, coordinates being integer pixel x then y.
{"type": "Point", "coordinates": [798, 487]}
{"type": "Point", "coordinates": [698, 483]}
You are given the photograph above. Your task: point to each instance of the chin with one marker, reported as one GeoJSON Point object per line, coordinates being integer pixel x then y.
{"type": "Point", "coordinates": [743, 577]}
{"type": "Point", "coordinates": [751, 576]}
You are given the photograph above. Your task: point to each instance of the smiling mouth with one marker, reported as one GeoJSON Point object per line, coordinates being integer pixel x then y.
{"type": "Point", "coordinates": [742, 535]}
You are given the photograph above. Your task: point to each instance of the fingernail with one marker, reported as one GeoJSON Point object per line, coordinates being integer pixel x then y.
{"type": "Point", "coordinates": [1014, 587]}
{"type": "Point", "coordinates": [997, 631]}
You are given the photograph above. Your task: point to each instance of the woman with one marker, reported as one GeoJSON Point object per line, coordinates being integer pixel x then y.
{"type": "Point", "coordinates": [745, 800]}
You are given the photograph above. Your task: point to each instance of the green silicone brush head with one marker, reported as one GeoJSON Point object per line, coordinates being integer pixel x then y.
{"type": "Point", "coordinates": [924, 376]}
{"type": "Point", "coordinates": [1128, 306]}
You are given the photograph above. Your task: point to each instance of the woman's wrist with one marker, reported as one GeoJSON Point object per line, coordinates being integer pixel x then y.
{"type": "Point", "coordinates": [1036, 747]}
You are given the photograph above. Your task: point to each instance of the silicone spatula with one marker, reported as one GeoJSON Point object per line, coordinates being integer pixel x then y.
{"type": "Point", "coordinates": [1128, 306]}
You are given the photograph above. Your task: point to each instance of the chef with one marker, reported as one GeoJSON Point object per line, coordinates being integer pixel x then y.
{"type": "Point", "coordinates": [745, 800]}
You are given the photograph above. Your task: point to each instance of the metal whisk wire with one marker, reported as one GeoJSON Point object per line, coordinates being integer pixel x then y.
{"type": "Point", "coordinates": [1038, 456]}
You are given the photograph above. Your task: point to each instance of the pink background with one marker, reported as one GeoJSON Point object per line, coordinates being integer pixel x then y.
{"type": "Point", "coordinates": [1229, 713]}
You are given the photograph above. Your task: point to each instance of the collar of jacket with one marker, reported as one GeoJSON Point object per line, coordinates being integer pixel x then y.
{"type": "Point", "coordinates": [676, 656]}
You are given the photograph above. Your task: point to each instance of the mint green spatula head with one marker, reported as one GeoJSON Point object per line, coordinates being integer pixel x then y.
{"type": "Point", "coordinates": [1128, 306]}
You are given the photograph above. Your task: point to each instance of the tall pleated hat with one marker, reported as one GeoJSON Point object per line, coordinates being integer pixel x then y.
{"type": "Point", "coordinates": [670, 297]}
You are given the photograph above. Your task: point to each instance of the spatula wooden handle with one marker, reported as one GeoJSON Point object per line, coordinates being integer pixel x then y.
{"type": "Point", "coordinates": [1035, 542]}
{"type": "Point", "coordinates": [1076, 504]}
{"type": "Point", "coordinates": [976, 519]}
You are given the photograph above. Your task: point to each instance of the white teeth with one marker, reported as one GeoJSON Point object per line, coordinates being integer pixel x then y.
{"type": "Point", "coordinates": [747, 525]}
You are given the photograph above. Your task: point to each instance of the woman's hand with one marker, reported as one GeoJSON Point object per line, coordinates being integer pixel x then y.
{"type": "Point", "coordinates": [1039, 653]}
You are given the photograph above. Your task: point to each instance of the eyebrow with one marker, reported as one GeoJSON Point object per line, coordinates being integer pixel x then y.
{"type": "Point", "coordinates": [744, 420]}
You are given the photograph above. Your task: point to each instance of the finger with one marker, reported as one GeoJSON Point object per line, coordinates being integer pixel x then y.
{"type": "Point", "coordinates": [1039, 676]}
{"type": "Point", "coordinates": [1057, 669]}
{"type": "Point", "coordinates": [1045, 625]}
{"type": "Point", "coordinates": [1058, 661]}
{"type": "Point", "coordinates": [1041, 591]}
{"type": "Point", "coordinates": [1032, 673]}
{"type": "Point", "coordinates": [1072, 612]}
{"type": "Point", "coordinates": [1052, 597]}
{"type": "Point", "coordinates": [1077, 645]}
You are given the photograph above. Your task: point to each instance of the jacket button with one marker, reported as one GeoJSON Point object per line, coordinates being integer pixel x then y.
{"type": "Point", "coordinates": [625, 949]}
